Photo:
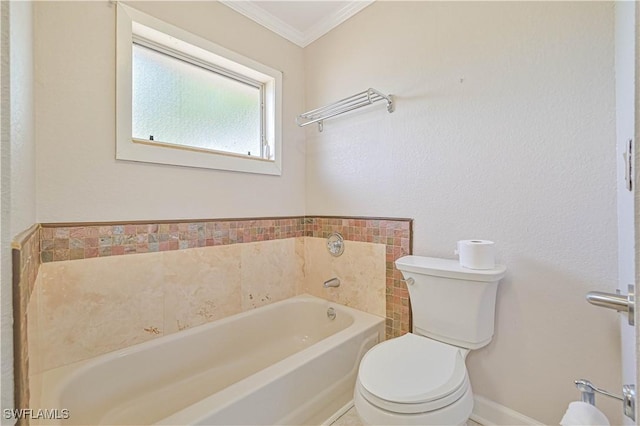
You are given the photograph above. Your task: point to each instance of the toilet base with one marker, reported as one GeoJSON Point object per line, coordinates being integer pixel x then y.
{"type": "Point", "coordinates": [454, 414]}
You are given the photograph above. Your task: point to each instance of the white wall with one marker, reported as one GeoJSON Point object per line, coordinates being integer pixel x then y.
{"type": "Point", "coordinates": [18, 160]}
{"type": "Point", "coordinates": [6, 307]}
{"type": "Point", "coordinates": [23, 158]}
{"type": "Point", "coordinates": [78, 178]}
{"type": "Point", "coordinates": [504, 130]}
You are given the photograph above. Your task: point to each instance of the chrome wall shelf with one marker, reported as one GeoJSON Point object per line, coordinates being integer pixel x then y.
{"type": "Point", "coordinates": [359, 100]}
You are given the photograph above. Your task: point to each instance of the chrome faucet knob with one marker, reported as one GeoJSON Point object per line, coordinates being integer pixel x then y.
{"type": "Point", "coordinates": [333, 282]}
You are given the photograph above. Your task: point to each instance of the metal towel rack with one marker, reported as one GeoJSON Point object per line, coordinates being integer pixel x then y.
{"type": "Point", "coordinates": [588, 394]}
{"type": "Point", "coordinates": [359, 100]}
{"type": "Point", "coordinates": [620, 303]}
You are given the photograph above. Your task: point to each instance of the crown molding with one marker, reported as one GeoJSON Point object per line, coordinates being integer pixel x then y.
{"type": "Point", "coordinates": [278, 26]}
{"type": "Point", "coordinates": [325, 25]}
{"type": "Point", "coordinates": [266, 19]}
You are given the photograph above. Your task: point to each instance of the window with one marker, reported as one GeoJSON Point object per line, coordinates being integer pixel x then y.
{"type": "Point", "coordinates": [178, 102]}
{"type": "Point", "coordinates": [186, 101]}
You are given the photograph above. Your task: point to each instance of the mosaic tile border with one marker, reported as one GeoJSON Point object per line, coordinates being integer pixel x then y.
{"type": "Point", "coordinates": [25, 258]}
{"type": "Point", "coordinates": [397, 235]}
{"type": "Point", "coordinates": [60, 242]}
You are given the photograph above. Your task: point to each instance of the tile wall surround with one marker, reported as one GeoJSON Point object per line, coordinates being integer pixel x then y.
{"type": "Point", "coordinates": [396, 235]}
{"type": "Point", "coordinates": [25, 253]}
{"type": "Point", "coordinates": [80, 241]}
{"type": "Point", "coordinates": [167, 275]}
{"type": "Point", "coordinates": [85, 308]}
{"type": "Point", "coordinates": [360, 269]}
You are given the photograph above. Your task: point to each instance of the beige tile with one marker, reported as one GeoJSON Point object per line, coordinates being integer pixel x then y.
{"type": "Point", "coordinates": [361, 270]}
{"type": "Point", "coordinates": [269, 272]}
{"type": "Point", "coordinates": [92, 306]}
{"type": "Point", "coordinates": [300, 261]}
{"type": "Point", "coordinates": [201, 285]}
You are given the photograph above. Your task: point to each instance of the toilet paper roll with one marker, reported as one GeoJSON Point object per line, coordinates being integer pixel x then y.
{"type": "Point", "coordinates": [581, 413]}
{"type": "Point", "coordinates": [477, 254]}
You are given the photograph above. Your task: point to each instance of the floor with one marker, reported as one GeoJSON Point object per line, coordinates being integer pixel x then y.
{"type": "Point", "coordinates": [350, 418]}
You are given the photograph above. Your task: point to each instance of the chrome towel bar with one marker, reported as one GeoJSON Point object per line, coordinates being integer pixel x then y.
{"type": "Point", "coordinates": [588, 394]}
{"type": "Point", "coordinates": [618, 302]}
{"type": "Point", "coordinates": [608, 300]}
{"type": "Point", "coordinates": [588, 391]}
{"type": "Point", "coordinates": [359, 100]}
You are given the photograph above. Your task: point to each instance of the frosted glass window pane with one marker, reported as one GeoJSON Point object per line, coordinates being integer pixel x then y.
{"type": "Point", "coordinates": [181, 103]}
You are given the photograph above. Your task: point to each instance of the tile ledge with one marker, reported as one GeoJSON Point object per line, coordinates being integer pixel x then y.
{"type": "Point", "coordinates": [19, 240]}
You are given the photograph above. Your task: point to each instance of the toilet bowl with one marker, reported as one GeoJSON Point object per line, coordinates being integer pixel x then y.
{"type": "Point", "coordinates": [396, 386]}
{"type": "Point", "coordinates": [421, 378]}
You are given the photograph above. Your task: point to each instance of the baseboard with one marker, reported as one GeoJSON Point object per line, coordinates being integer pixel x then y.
{"type": "Point", "coordinates": [487, 413]}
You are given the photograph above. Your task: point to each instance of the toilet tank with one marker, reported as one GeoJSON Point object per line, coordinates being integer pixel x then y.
{"type": "Point", "coordinates": [450, 303]}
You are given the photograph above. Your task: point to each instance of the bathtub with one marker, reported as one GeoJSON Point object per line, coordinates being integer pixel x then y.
{"type": "Point", "coordinates": [284, 363]}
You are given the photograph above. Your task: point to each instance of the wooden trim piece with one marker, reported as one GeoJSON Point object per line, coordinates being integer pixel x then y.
{"type": "Point", "coordinates": [397, 219]}
{"type": "Point", "coordinates": [234, 219]}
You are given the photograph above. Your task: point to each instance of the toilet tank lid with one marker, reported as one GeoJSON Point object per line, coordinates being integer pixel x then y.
{"type": "Point", "coordinates": [448, 268]}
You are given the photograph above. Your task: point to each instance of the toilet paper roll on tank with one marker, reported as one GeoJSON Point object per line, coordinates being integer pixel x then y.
{"type": "Point", "coordinates": [476, 254]}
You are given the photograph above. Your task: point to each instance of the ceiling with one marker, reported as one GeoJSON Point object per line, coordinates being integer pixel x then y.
{"type": "Point", "coordinates": [302, 21]}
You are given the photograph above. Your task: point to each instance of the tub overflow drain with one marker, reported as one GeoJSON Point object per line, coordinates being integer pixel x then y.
{"type": "Point", "coordinates": [331, 313]}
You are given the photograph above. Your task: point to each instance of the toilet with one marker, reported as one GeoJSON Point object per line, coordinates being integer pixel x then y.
{"type": "Point", "coordinates": [421, 378]}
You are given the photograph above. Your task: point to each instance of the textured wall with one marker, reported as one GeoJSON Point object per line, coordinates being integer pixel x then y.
{"type": "Point", "coordinates": [23, 157]}
{"type": "Point", "coordinates": [75, 98]}
{"type": "Point", "coordinates": [6, 346]}
{"type": "Point", "coordinates": [18, 158]}
{"type": "Point", "coordinates": [503, 130]}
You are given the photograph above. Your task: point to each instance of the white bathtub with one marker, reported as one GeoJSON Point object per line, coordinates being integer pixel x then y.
{"type": "Point", "coordinates": [285, 363]}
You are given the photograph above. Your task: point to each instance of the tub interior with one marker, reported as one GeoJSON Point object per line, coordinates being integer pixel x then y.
{"type": "Point", "coordinates": [149, 382]}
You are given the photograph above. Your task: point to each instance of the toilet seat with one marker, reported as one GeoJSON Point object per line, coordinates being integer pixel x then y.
{"type": "Point", "coordinates": [413, 374]}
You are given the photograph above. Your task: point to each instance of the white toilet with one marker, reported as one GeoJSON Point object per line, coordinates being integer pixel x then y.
{"type": "Point", "coordinates": [421, 378]}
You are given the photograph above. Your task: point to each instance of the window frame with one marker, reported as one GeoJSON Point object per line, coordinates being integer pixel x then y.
{"type": "Point", "coordinates": [134, 26]}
